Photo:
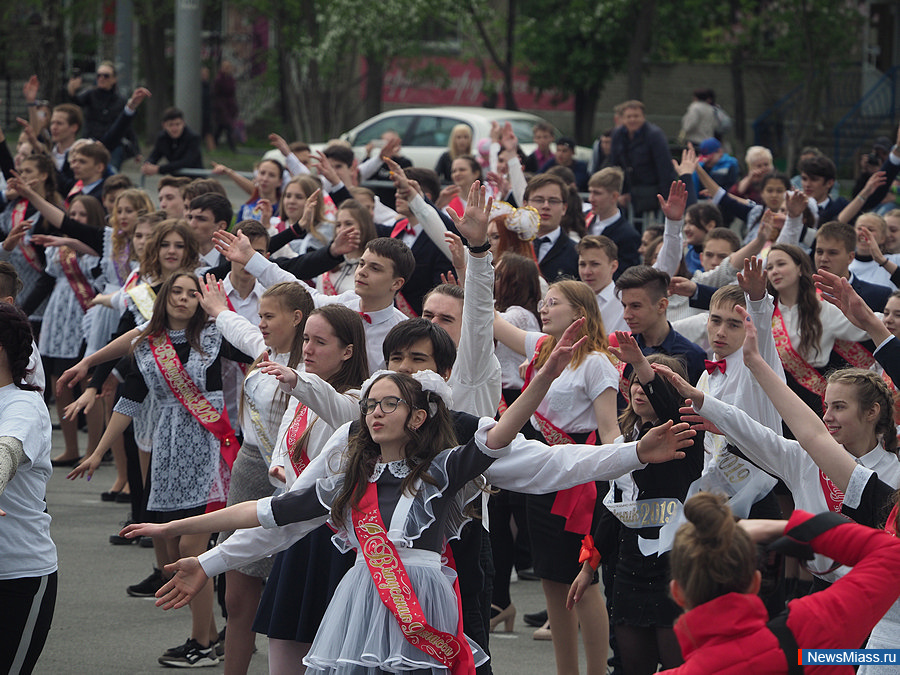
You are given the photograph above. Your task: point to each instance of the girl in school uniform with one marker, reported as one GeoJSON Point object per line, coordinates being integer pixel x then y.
{"type": "Point", "coordinates": [177, 361]}
{"type": "Point", "coordinates": [581, 401]}
{"type": "Point", "coordinates": [283, 311]}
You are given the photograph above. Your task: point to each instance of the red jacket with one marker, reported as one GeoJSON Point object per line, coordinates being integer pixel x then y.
{"type": "Point", "coordinates": [728, 635]}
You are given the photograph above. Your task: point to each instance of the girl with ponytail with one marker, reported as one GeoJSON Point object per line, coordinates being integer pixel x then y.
{"type": "Point", "coordinates": [715, 578]}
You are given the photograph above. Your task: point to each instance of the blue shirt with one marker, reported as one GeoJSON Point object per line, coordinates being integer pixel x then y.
{"type": "Point", "coordinates": [678, 346]}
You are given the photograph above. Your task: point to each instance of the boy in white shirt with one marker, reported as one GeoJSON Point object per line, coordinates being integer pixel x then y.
{"type": "Point", "coordinates": [384, 267]}
{"type": "Point", "coordinates": [598, 260]}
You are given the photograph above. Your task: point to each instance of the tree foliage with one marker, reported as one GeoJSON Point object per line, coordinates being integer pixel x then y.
{"type": "Point", "coordinates": [573, 47]}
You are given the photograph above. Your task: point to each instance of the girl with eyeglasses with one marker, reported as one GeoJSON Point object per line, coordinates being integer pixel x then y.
{"type": "Point", "coordinates": [397, 500]}
{"type": "Point", "coordinates": [581, 403]}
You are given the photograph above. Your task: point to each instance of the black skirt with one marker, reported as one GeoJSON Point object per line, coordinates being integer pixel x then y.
{"type": "Point", "coordinates": [300, 586]}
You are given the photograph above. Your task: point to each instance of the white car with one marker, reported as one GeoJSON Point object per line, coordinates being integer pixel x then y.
{"type": "Point", "coordinates": [426, 131]}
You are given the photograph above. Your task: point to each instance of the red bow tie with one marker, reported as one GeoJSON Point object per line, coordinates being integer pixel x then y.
{"type": "Point", "coordinates": [368, 319]}
{"type": "Point", "coordinates": [712, 365]}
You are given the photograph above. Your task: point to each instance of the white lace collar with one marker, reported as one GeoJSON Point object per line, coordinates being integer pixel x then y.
{"type": "Point", "coordinates": [398, 468]}
{"type": "Point", "coordinates": [177, 336]}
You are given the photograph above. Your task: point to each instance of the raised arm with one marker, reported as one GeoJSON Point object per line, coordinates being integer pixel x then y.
{"type": "Point", "coordinates": [806, 426]}
{"type": "Point", "coordinates": [523, 408]}
{"type": "Point", "coordinates": [672, 250]}
{"type": "Point", "coordinates": [51, 213]}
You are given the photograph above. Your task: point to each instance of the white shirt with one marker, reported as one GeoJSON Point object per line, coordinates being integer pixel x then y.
{"type": "Point", "coordinates": [260, 391]}
{"type": "Point", "coordinates": [874, 273]}
{"type": "Point", "coordinates": [476, 377]}
{"type": "Point", "coordinates": [569, 404]}
{"type": "Point", "coordinates": [232, 374]}
{"type": "Point", "coordinates": [786, 459]}
{"type": "Point", "coordinates": [611, 309]}
{"type": "Point", "coordinates": [26, 549]}
{"type": "Point", "coordinates": [835, 326]}
{"type": "Point", "coordinates": [510, 360]}
{"type": "Point", "coordinates": [380, 323]}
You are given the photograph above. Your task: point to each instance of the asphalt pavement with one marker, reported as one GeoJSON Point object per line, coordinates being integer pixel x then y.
{"type": "Point", "coordinates": [98, 629]}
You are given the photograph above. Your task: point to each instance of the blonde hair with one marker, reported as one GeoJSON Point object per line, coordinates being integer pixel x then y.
{"type": "Point", "coordinates": [140, 202]}
{"type": "Point", "coordinates": [451, 144]}
{"type": "Point", "coordinates": [584, 301]}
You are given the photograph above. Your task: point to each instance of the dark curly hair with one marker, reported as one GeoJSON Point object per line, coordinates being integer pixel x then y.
{"type": "Point", "coordinates": [16, 340]}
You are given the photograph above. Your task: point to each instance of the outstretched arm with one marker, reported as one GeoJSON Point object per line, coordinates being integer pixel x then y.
{"type": "Point", "coordinates": [804, 423]}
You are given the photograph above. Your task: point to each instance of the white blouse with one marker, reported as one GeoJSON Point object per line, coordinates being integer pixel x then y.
{"type": "Point", "coordinates": [835, 326]}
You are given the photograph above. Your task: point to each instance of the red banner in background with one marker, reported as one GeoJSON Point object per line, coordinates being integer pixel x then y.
{"type": "Point", "coordinates": [442, 80]}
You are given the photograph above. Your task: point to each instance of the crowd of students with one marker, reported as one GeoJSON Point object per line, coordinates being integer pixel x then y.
{"type": "Point", "coordinates": [459, 384]}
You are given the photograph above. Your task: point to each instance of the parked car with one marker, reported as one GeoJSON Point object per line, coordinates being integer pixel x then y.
{"type": "Point", "coordinates": [426, 131]}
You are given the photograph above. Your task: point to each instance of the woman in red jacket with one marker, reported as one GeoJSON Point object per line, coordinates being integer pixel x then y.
{"type": "Point", "coordinates": [715, 578]}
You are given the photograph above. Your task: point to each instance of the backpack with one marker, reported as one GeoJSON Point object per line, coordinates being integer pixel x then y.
{"type": "Point", "coordinates": [723, 122]}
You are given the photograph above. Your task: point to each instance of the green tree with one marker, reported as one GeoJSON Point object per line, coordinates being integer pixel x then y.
{"type": "Point", "coordinates": [573, 47]}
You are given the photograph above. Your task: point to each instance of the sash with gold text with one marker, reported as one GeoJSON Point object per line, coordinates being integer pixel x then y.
{"type": "Point", "coordinates": [396, 592]}
{"type": "Point", "coordinates": [294, 432]}
{"type": "Point", "coordinates": [190, 396]}
{"type": "Point", "coordinates": [83, 290]}
{"type": "Point", "coordinates": [808, 377]}
{"type": "Point", "coordinates": [143, 297]}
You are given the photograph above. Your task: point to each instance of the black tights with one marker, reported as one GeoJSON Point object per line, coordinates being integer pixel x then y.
{"type": "Point", "coordinates": [642, 649]}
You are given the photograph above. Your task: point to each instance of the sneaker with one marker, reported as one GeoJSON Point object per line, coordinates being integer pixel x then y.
{"type": "Point", "coordinates": [194, 656]}
{"type": "Point", "coordinates": [178, 651]}
{"type": "Point", "coordinates": [148, 587]}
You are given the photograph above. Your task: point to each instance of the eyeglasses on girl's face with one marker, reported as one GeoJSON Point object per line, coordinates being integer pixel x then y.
{"type": "Point", "coordinates": [388, 404]}
{"type": "Point", "coordinates": [548, 303]}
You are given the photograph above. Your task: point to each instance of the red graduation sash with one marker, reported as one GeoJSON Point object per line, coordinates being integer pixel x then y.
{"type": "Point", "coordinates": [328, 287]}
{"type": "Point", "coordinates": [575, 504]}
{"type": "Point", "coordinates": [83, 290]}
{"type": "Point", "coordinates": [891, 525]}
{"type": "Point", "coordinates": [833, 496]}
{"type": "Point", "coordinates": [808, 377]}
{"type": "Point", "coordinates": [396, 592]}
{"type": "Point", "coordinates": [190, 396]}
{"type": "Point", "coordinates": [295, 431]}
{"type": "Point", "coordinates": [28, 251]}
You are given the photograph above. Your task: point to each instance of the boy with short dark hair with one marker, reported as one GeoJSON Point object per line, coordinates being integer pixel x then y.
{"type": "Point", "coordinates": [817, 176]}
{"type": "Point", "coordinates": [553, 249]}
{"type": "Point", "coordinates": [177, 144]}
{"type": "Point", "coordinates": [836, 251]}
{"type": "Point", "coordinates": [643, 292]}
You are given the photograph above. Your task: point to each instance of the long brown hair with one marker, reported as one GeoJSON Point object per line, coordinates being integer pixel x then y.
{"type": "Point", "coordinates": [517, 282]}
{"type": "Point", "coordinates": [424, 444]}
{"type": "Point", "coordinates": [159, 320]}
{"type": "Point", "coordinates": [584, 301]}
{"type": "Point", "coordinates": [348, 329]}
{"type": "Point", "coordinates": [807, 301]}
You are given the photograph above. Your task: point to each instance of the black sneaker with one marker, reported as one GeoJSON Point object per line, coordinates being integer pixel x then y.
{"type": "Point", "coordinates": [194, 656]}
{"type": "Point", "coordinates": [148, 587]}
{"type": "Point", "coordinates": [180, 650]}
